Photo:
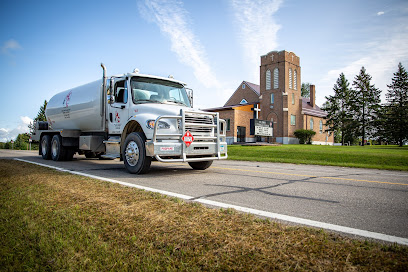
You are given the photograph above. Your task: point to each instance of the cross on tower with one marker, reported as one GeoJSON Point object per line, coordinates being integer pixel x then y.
{"type": "Point", "coordinates": [256, 110]}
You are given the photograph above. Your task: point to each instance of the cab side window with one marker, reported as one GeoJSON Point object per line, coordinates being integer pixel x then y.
{"type": "Point", "coordinates": [121, 94]}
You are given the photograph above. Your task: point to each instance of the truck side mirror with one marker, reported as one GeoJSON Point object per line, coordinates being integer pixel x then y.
{"type": "Point", "coordinates": [190, 95]}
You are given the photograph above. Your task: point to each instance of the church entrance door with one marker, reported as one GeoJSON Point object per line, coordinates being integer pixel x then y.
{"type": "Point", "coordinates": [241, 134]}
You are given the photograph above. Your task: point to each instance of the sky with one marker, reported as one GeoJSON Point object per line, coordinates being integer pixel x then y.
{"type": "Point", "coordinates": [213, 45]}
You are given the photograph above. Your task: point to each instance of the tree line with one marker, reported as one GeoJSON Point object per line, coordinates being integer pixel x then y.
{"type": "Point", "coordinates": [22, 139]}
{"type": "Point", "coordinates": [356, 112]}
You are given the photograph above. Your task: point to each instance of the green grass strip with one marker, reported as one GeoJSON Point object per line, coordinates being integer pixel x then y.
{"type": "Point", "coordinates": [52, 221]}
{"type": "Point", "coordinates": [376, 157]}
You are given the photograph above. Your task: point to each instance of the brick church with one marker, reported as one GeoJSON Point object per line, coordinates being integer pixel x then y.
{"type": "Point", "coordinates": [274, 110]}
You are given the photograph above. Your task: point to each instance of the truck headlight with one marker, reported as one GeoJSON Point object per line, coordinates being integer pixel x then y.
{"type": "Point", "coordinates": [160, 125]}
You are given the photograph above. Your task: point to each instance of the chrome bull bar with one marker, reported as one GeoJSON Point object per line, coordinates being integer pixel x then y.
{"type": "Point", "coordinates": [208, 147]}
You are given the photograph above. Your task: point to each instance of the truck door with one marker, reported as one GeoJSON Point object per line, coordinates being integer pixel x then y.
{"type": "Point", "coordinates": [119, 106]}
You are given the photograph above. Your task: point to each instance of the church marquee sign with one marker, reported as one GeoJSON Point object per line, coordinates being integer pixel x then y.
{"type": "Point", "coordinates": [261, 127]}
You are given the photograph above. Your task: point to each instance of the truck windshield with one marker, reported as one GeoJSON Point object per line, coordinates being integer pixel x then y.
{"type": "Point", "coordinates": [145, 90]}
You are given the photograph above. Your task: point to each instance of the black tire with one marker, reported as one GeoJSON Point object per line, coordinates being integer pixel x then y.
{"type": "Point", "coordinates": [202, 165]}
{"type": "Point", "coordinates": [134, 154]}
{"type": "Point", "coordinates": [45, 146]}
{"type": "Point", "coordinates": [58, 152]}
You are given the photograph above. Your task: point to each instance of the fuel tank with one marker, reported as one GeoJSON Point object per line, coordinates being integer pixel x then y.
{"type": "Point", "coordinates": [79, 108]}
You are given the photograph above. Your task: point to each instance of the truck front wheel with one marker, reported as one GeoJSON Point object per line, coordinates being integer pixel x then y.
{"type": "Point", "coordinates": [202, 165]}
{"type": "Point", "coordinates": [134, 154]}
{"type": "Point", "coordinates": [58, 152]}
{"type": "Point", "coordinates": [46, 147]}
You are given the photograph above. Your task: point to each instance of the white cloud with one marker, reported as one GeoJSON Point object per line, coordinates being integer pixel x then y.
{"type": "Point", "coordinates": [171, 18]}
{"type": "Point", "coordinates": [9, 46]}
{"type": "Point", "coordinates": [380, 58]}
{"type": "Point", "coordinates": [11, 134]}
{"type": "Point", "coordinates": [380, 13]}
{"type": "Point", "coordinates": [258, 29]}
{"type": "Point", "coordinates": [26, 120]}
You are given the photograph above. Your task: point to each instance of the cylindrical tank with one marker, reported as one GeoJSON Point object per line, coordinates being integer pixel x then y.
{"type": "Point", "coordinates": [79, 108]}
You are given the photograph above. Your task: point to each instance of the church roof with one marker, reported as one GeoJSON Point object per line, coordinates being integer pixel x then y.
{"type": "Point", "coordinates": [226, 107]}
{"type": "Point", "coordinates": [254, 87]}
{"type": "Point", "coordinates": [309, 110]}
{"type": "Point", "coordinates": [253, 92]}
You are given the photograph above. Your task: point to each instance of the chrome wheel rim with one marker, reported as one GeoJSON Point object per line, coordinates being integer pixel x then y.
{"type": "Point", "coordinates": [44, 147]}
{"type": "Point", "coordinates": [54, 148]}
{"type": "Point", "coordinates": [132, 153]}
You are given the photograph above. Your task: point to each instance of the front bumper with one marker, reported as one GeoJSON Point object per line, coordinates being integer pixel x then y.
{"type": "Point", "coordinates": [208, 147]}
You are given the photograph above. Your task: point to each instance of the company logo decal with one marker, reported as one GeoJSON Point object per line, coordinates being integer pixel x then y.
{"type": "Point", "coordinates": [66, 100]}
{"type": "Point", "coordinates": [166, 148]}
{"type": "Point", "coordinates": [117, 117]}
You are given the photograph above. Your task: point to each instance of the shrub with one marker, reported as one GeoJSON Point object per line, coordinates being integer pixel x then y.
{"type": "Point", "coordinates": [304, 135]}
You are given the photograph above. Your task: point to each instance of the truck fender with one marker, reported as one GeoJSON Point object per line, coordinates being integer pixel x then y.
{"type": "Point", "coordinates": [131, 126]}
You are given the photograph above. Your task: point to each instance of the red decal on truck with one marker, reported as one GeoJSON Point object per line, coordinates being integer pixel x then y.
{"type": "Point", "coordinates": [67, 98]}
{"type": "Point", "coordinates": [188, 138]}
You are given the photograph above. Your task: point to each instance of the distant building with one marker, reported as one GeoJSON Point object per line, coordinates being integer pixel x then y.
{"type": "Point", "coordinates": [277, 102]}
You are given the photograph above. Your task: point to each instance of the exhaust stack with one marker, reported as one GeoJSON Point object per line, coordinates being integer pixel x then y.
{"type": "Point", "coordinates": [103, 106]}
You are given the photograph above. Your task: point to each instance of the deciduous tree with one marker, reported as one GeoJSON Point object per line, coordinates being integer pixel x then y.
{"type": "Point", "coordinates": [21, 141]}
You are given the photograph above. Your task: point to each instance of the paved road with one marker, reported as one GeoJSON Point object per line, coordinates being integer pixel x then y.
{"type": "Point", "coordinates": [371, 200]}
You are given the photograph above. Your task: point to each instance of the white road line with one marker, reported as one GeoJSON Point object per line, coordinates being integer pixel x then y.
{"type": "Point", "coordinates": [292, 219]}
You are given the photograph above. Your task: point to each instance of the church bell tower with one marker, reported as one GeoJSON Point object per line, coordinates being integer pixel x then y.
{"type": "Point", "coordinates": [280, 89]}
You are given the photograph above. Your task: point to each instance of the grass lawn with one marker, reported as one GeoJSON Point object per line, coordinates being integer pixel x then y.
{"type": "Point", "coordinates": [378, 157]}
{"type": "Point", "coordinates": [53, 221]}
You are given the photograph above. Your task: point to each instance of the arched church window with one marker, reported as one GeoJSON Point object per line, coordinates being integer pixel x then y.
{"type": "Point", "coordinates": [268, 79]}
{"type": "Point", "coordinates": [290, 79]}
{"type": "Point", "coordinates": [295, 79]}
{"type": "Point", "coordinates": [275, 78]}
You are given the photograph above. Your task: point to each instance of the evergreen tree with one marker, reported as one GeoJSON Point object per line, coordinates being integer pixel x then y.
{"type": "Point", "coordinates": [365, 102]}
{"type": "Point", "coordinates": [41, 113]}
{"type": "Point", "coordinates": [40, 116]}
{"type": "Point", "coordinates": [397, 106]}
{"type": "Point", "coordinates": [382, 127]}
{"type": "Point", "coordinates": [339, 118]}
{"type": "Point", "coordinates": [305, 90]}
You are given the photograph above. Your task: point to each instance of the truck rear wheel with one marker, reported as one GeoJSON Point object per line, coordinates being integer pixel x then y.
{"type": "Point", "coordinates": [202, 165]}
{"type": "Point", "coordinates": [134, 154]}
{"type": "Point", "coordinates": [58, 152]}
{"type": "Point", "coordinates": [46, 147]}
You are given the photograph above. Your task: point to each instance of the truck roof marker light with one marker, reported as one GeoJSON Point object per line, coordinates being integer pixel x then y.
{"type": "Point", "coordinates": [136, 71]}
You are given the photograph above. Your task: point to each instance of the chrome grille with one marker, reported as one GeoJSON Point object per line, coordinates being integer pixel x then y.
{"type": "Point", "coordinates": [199, 119]}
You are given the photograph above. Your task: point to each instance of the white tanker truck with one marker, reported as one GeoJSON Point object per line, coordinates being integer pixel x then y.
{"type": "Point", "coordinates": [134, 117]}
